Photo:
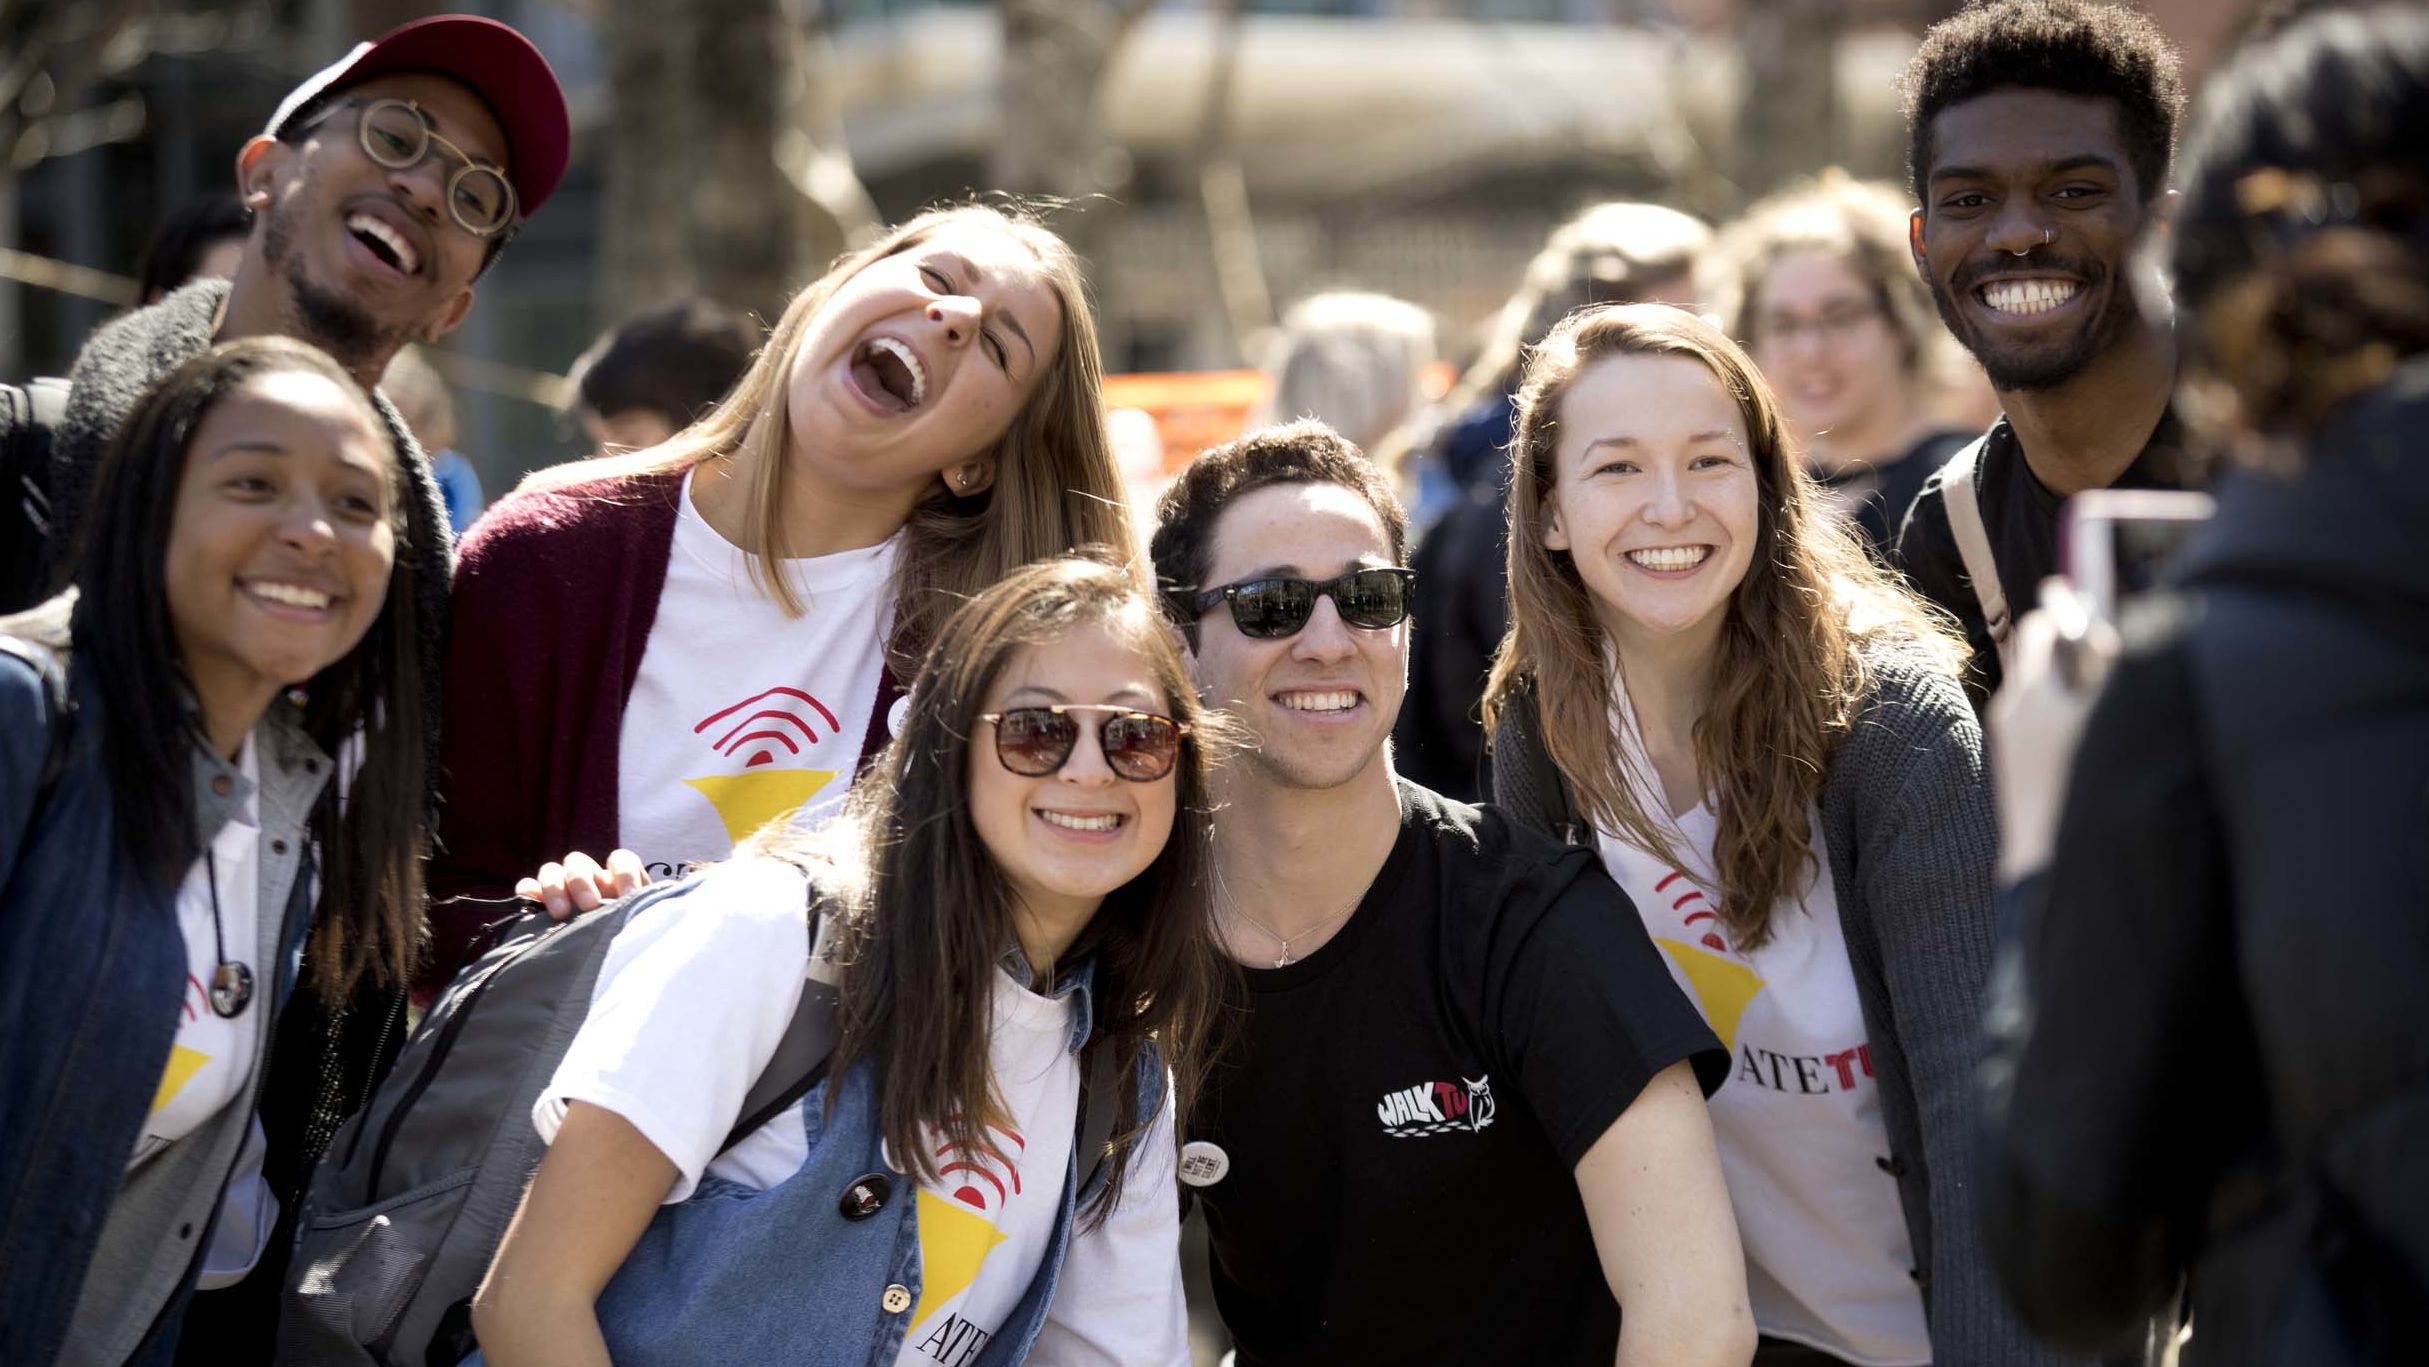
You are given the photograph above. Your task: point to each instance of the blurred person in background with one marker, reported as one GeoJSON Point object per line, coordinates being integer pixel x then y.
{"type": "Point", "coordinates": [658, 372]}
{"type": "Point", "coordinates": [203, 238]}
{"type": "Point", "coordinates": [1354, 362]}
{"type": "Point", "coordinates": [1610, 254]}
{"type": "Point", "coordinates": [1462, 1118]}
{"type": "Point", "coordinates": [423, 400]}
{"type": "Point", "coordinates": [179, 872]}
{"type": "Point", "coordinates": [1817, 284]}
{"type": "Point", "coordinates": [658, 653]}
{"type": "Point", "coordinates": [2212, 1041]}
{"type": "Point", "coordinates": [1762, 733]}
{"type": "Point", "coordinates": [2038, 138]}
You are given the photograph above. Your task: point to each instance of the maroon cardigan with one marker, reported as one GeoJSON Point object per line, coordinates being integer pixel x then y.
{"type": "Point", "coordinates": [555, 592]}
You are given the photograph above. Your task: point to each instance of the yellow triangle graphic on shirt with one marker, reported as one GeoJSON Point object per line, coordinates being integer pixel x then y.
{"type": "Point", "coordinates": [954, 1242]}
{"type": "Point", "coordinates": [755, 797]}
{"type": "Point", "coordinates": [1725, 986]}
{"type": "Point", "coordinates": [184, 1063]}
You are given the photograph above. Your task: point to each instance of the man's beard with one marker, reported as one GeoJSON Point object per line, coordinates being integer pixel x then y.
{"type": "Point", "coordinates": [2040, 366]}
{"type": "Point", "coordinates": [328, 320]}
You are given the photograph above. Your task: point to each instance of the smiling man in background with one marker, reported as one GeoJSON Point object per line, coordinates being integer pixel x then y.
{"type": "Point", "coordinates": [2039, 136]}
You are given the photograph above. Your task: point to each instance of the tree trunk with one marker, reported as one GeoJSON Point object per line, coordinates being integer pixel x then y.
{"type": "Point", "coordinates": [1788, 108]}
{"type": "Point", "coordinates": [695, 202]}
{"type": "Point", "coordinates": [1056, 54]}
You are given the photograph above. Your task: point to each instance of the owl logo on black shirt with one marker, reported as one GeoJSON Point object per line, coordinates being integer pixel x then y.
{"type": "Point", "coordinates": [1461, 1107]}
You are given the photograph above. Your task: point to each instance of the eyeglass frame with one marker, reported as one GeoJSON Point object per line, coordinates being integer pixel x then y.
{"type": "Point", "coordinates": [1775, 330]}
{"type": "Point", "coordinates": [493, 238]}
{"type": "Point", "coordinates": [1180, 731]}
{"type": "Point", "coordinates": [1199, 602]}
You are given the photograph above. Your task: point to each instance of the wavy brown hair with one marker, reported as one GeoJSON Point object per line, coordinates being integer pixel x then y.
{"type": "Point", "coordinates": [1790, 678]}
{"type": "Point", "coordinates": [1056, 486]}
{"type": "Point", "coordinates": [927, 913]}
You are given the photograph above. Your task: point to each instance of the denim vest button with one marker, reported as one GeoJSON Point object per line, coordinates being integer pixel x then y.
{"type": "Point", "coordinates": [866, 1196]}
{"type": "Point", "coordinates": [897, 1299]}
{"type": "Point", "coordinates": [222, 784]}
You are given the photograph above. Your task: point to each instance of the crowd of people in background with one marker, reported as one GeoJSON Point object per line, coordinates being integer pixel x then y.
{"type": "Point", "coordinates": [1658, 850]}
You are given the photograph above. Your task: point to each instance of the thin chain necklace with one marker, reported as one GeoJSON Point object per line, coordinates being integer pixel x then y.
{"type": "Point", "coordinates": [1285, 959]}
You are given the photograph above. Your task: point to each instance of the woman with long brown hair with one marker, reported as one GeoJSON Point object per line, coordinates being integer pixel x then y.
{"type": "Point", "coordinates": [1015, 898]}
{"type": "Point", "coordinates": [663, 651]}
{"type": "Point", "coordinates": [1763, 734]}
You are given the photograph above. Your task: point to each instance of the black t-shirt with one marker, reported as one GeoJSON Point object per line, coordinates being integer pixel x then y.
{"type": "Point", "coordinates": [1881, 493]}
{"type": "Point", "coordinates": [2020, 514]}
{"type": "Point", "coordinates": [1403, 1109]}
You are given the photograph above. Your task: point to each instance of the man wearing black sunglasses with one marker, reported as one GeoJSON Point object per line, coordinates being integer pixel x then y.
{"type": "Point", "coordinates": [1463, 1121]}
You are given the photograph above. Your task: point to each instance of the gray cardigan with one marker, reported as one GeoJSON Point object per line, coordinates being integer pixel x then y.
{"type": "Point", "coordinates": [1913, 842]}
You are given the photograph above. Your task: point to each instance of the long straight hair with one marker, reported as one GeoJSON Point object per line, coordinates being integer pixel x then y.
{"type": "Point", "coordinates": [926, 911]}
{"type": "Point", "coordinates": [1056, 485]}
{"type": "Point", "coordinates": [1789, 678]}
{"type": "Point", "coordinates": [370, 835]}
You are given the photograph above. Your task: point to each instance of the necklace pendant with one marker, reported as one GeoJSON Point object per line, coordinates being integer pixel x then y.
{"type": "Point", "coordinates": [231, 989]}
{"type": "Point", "coordinates": [1282, 960]}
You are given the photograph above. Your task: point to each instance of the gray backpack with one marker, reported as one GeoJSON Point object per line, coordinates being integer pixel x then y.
{"type": "Point", "coordinates": [413, 1194]}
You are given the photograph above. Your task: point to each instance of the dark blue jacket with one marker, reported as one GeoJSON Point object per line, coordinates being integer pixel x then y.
{"type": "Point", "coordinates": [92, 974]}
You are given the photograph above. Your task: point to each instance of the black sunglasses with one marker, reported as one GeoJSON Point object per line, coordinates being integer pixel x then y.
{"type": "Point", "coordinates": [1036, 741]}
{"type": "Point", "coordinates": [1268, 609]}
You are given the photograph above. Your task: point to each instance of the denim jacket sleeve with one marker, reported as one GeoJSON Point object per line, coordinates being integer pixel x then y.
{"type": "Point", "coordinates": [26, 718]}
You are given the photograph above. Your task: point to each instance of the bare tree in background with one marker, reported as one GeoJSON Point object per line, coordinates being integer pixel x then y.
{"type": "Point", "coordinates": [54, 58]}
{"type": "Point", "coordinates": [1052, 142]}
{"type": "Point", "coordinates": [1788, 106]}
{"type": "Point", "coordinates": [694, 203]}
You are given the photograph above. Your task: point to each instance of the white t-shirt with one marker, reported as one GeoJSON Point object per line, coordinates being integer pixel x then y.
{"type": "Point", "coordinates": [690, 1003]}
{"type": "Point", "coordinates": [212, 1057]}
{"type": "Point", "coordinates": [1799, 1121]}
{"type": "Point", "coordinates": [739, 713]}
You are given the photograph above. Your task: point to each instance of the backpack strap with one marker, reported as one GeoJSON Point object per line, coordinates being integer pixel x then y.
{"type": "Point", "coordinates": [801, 1056]}
{"type": "Point", "coordinates": [47, 663]}
{"type": "Point", "coordinates": [1960, 491]}
{"type": "Point", "coordinates": [1099, 1106]}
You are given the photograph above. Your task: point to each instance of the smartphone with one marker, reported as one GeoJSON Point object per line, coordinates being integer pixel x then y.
{"type": "Point", "coordinates": [2115, 542]}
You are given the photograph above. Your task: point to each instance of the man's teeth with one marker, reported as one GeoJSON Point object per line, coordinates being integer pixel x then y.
{"type": "Point", "coordinates": [389, 237]}
{"type": "Point", "coordinates": [1079, 823]}
{"type": "Point", "coordinates": [293, 595]}
{"type": "Point", "coordinates": [1671, 557]}
{"type": "Point", "coordinates": [1339, 700]}
{"type": "Point", "coordinates": [910, 362]}
{"type": "Point", "coordinates": [2028, 296]}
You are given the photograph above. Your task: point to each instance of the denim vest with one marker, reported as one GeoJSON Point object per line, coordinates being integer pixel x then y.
{"type": "Point", "coordinates": [826, 1260]}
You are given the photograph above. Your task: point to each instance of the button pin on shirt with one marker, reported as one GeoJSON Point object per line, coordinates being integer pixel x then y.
{"type": "Point", "coordinates": [1203, 1163]}
{"type": "Point", "coordinates": [866, 1196]}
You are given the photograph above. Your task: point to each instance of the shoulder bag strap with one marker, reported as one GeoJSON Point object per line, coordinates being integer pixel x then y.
{"type": "Point", "coordinates": [1960, 491]}
{"type": "Point", "coordinates": [801, 1056]}
{"type": "Point", "coordinates": [1100, 1105]}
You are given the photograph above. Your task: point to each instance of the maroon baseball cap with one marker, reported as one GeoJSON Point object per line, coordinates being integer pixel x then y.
{"type": "Point", "coordinates": [490, 59]}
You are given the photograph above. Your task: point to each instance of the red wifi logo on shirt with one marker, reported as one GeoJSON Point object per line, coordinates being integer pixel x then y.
{"type": "Point", "coordinates": [783, 717]}
{"type": "Point", "coordinates": [1693, 906]}
{"type": "Point", "coordinates": [978, 1177]}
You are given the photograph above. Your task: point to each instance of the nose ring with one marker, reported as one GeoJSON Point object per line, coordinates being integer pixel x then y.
{"type": "Point", "coordinates": [2047, 236]}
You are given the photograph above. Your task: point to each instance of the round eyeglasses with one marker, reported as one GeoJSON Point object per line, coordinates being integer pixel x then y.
{"type": "Point", "coordinates": [397, 135]}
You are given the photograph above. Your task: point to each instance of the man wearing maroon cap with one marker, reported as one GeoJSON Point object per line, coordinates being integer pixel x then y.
{"type": "Point", "coordinates": [380, 190]}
